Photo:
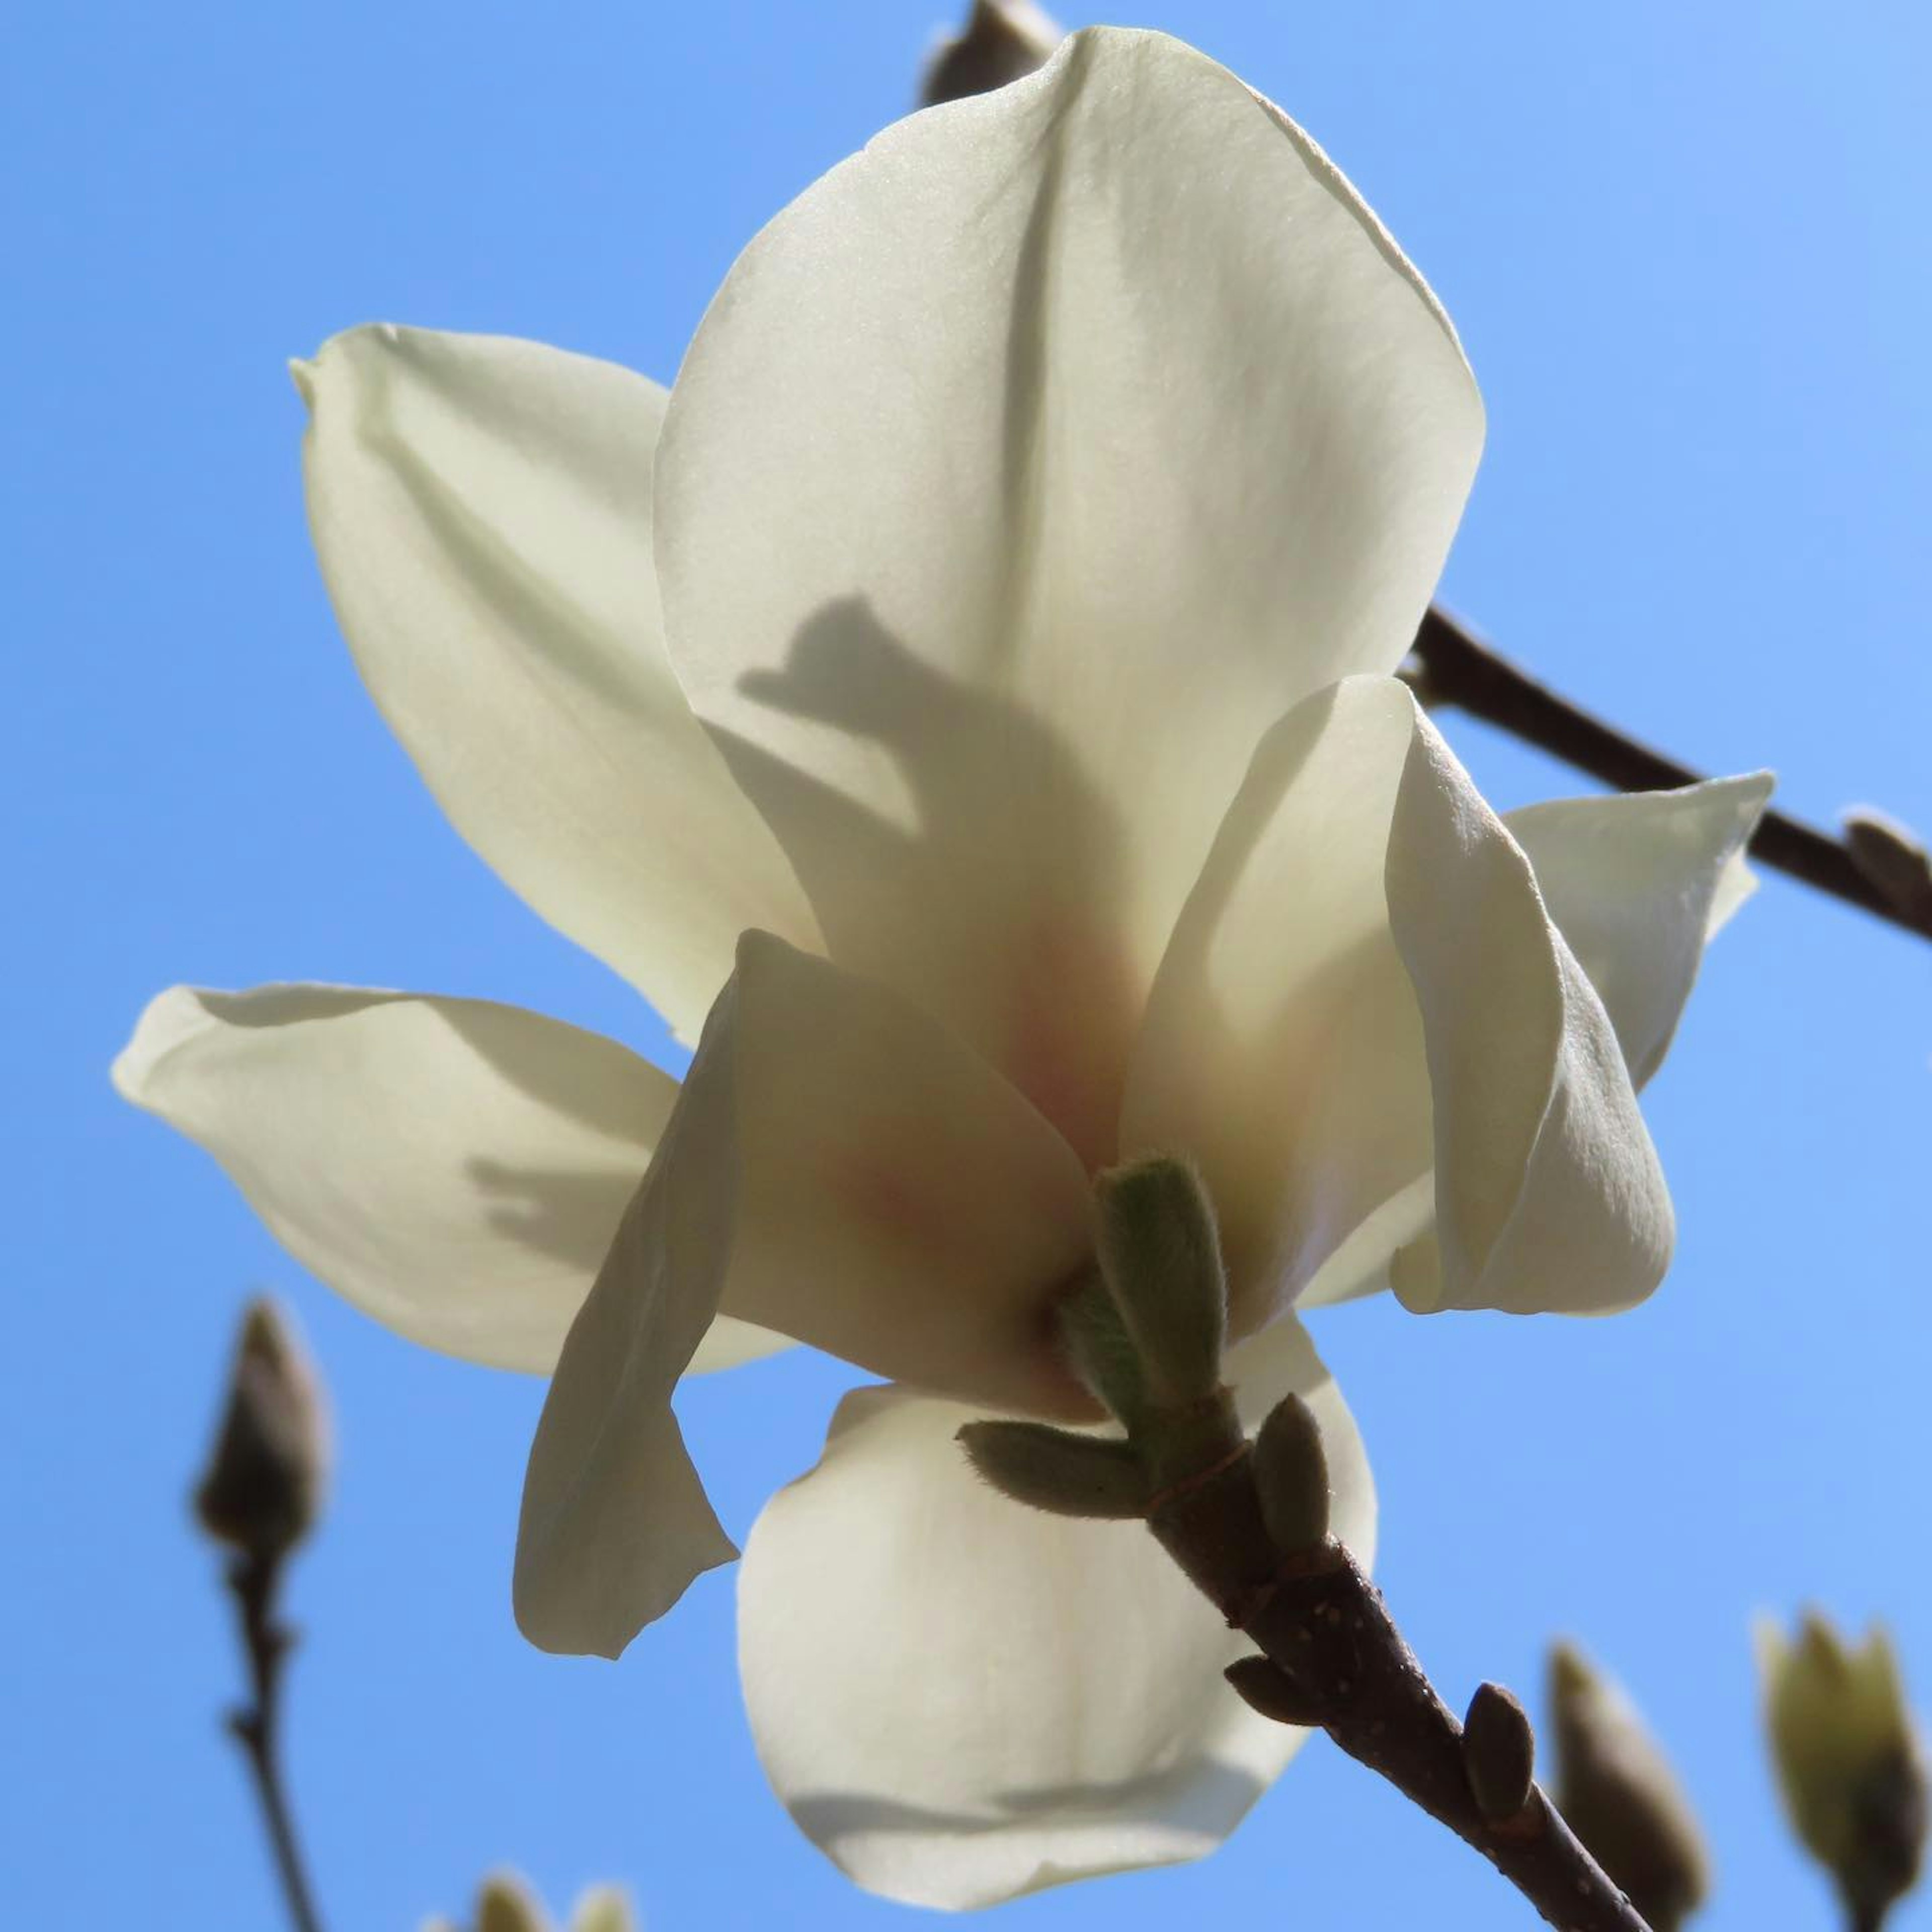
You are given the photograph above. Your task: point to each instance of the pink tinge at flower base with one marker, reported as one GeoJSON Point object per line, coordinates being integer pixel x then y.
{"type": "Point", "coordinates": [972, 690]}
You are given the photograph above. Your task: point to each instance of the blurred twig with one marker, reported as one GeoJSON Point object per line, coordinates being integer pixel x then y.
{"type": "Point", "coordinates": [254, 1582]}
{"type": "Point", "coordinates": [1450, 665]}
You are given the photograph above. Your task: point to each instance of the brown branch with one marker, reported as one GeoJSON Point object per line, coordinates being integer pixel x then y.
{"type": "Point", "coordinates": [1454, 667]}
{"type": "Point", "coordinates": [1339, 1663]}
{"type": "Point", "coordinates": [253, 1581]}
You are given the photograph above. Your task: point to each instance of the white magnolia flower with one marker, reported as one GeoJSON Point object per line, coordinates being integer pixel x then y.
{"type": "Point", "coordinates": [994, 627]}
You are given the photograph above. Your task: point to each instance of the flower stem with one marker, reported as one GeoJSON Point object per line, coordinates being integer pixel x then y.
{"type": "Point", "coordinates": [1341, 1664]}
{"type": "Point", "coordinates": [253, 1581]}
{"type": "Point", "coordinates": [1450, 665]}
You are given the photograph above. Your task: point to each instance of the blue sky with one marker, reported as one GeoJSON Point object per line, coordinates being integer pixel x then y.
{"type": "Point", "coordinates": [1684, 248]}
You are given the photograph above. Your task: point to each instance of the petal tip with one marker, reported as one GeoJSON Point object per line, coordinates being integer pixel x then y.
{"type": "Point", "coordinates": [165, 1020]}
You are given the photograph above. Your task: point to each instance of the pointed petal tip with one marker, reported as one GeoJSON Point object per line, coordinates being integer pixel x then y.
{"type": "Point", "coordinates": [569, 1621]}
{"type": "Point", "coordinates": [167, 1019]}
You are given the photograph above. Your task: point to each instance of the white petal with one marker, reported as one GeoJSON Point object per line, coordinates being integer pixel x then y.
{"type": "Point", "coordinates": [1281, 1048]}
{"type": "Point", "coordinates": [455, 1169]}
{"type": "Point", "coordinates": [961, 1700]}
{"type": "Point", "coordinates": [481, 509]}
{"type": "Point", "coordinates": [1636, 884]}
{"type": "Point", "coordinates": [839, 1167]}
{"type": "Point", "coordinates": [1022, 471]}
{"type": "Point", "coordinates": [1548, 1193]}
{"type": "Point", "coordinates": [615, 1524]}
{"type": "Point", "coordinates": [1364, 985]}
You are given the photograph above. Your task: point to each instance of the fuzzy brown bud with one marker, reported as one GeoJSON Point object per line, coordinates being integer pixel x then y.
{"type": "Point", "coordinates": [1003, 40]}
{"type": "Point", "coordinates": [262, 1488]}
{"type": "Point", "coordinates": [1621, 1797]}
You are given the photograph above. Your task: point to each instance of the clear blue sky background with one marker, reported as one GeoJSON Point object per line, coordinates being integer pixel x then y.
{"type": "Point", "coordinates": [1686, 248]}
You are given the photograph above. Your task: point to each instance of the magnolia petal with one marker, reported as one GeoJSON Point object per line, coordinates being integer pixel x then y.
{"type": "Point", "coordinates": [1637, 884]}
{"type": "Point", "coordinates": [615, 1524]}
{"type": "Point", "coordinates": [841, 1167]}
{"type": "Point", "coordinates": [1548, 1193]}
{"type": "Point", "coordinates": [1282, 1049]}
{"type": "Point", "coordinates": [943, 539]}
{"type": "Point", "coordinates": [481, 509]}
{"type": "Point", "coordinates": [454, 1168]}
{"type": "Point", "coordinates": [961, 1700]}
{"type": "Point", "coordinates": [1365, 975]}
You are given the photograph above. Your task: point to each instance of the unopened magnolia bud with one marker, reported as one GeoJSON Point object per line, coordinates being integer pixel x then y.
{"type": "Point", "coordinates": [1055, 1470]}
{"type": "Point", "coordinates": [1498, 1753]}
{"type": "Point", "coordinates": [1003, 40]}
{"type": "Point", "coordinates": [262, 1488]}
{"type": "Point", "coordinates": [1893, 860]}
{"type": "Point", "coordinates": [1620, 1796]}
{"type": "Point", "coordinates": [603, 1909]}
{"type": "Point", "coordinates": [1269, 1692]}
{"type": "Point", "coordinates": [1849, 1762]}
{"type": "Point", "coordinates": [1291, 1477]}
{"type": "Point", "coordinates": [1161, 1254]}
{"type": "Point", "coordinates": [506, 1904]}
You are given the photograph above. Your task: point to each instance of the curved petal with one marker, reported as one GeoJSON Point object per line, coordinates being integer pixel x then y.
{"type": "Point", "coordinates": [1365, 975]}
{"type": "Point", "coordinates": [1548, 1193]}
{"type": "Point", "coordinates": [455, 1169]}
{"type": "Point", "coordinates": [1282, 1049]}
{"type": "Point", "coordinates": [838, 1166]}
{"type": "Point", "coordinates": [961, 1700]}
{"type": "Point", "coordinates": [481, 509]}
{"type": "Point", "coordinates": [1637, 884]}
{"type": "Point", "coordinates": [1022, 469]}
{"type": "Point", "coordinates": [615, 1524]}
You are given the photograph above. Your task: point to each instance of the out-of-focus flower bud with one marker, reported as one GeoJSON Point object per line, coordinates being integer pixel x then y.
{"type": "Point", "coordinates": [1620, 1796]}
{"type": "Point", "coordinates": [1002, 40]}
{"type": "Point", "coordinates": [1160, 1252]}
{"type": "Point", "coordinates": [262, 1488]}
{"type": "Point", "coordinates": [1894, 859]}
{"type": "Point", "coordinates": [1849, 1762]}
{"type": "Point", "coordinates": [1053, 1469]}
{"type": "Point", "coordinates": [1291, 1477]}
{"type": "Point", "coordinates": [505, 1903]}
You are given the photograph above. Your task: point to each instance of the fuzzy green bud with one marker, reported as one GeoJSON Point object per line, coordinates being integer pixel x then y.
{"type": "Point", "coordinates": [1160, 1252]}
{"type": "Point", "coordinates": [1848, 1759]}
{"type": "Point", "coordinates": [261, 1489]}
{"type": "Point", "coordinates": [1620, 1796]}
{"type": "Point", "coordinates": [1103, 1355]}
{"type": "Point", "coordinates": [1057, 1471]}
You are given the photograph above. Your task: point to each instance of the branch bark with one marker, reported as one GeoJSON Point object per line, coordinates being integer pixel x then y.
{"type": "Point", "coordinates": [1339, 1663]}
{"type": "Point", "coordinates": [1454, 667]}
{"type": "Point", "coordinates": [253, 1581]}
